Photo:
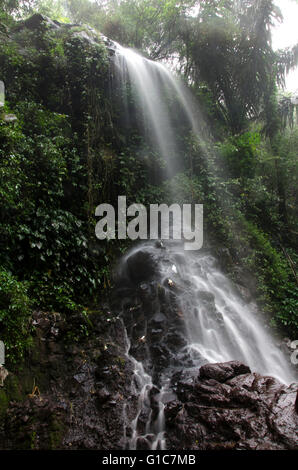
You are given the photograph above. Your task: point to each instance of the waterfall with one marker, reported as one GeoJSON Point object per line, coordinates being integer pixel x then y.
{"type": "Point", "coordinates": [154, 88]}
{"type": "Point", "coordinates": [191, 313]}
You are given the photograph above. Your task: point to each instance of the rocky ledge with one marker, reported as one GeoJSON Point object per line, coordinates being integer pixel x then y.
{"type": "Point", "coordinates": [228, 407]}
{"type": "Point", "coordinates": [79, 396]}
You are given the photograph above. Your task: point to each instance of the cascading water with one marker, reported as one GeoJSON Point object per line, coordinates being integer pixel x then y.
{"type": "Point", "coordinates": [155, 88]}
{"type": "Point", "coordinates": [185, 311]}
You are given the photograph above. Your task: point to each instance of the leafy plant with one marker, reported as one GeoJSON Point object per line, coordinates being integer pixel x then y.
{"type": "Point", "coordinates": [15, 310]}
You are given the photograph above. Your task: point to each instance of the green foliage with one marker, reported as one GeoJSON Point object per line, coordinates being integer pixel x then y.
{"type": "Point", "coordinates": [287, 153]}
{"type": "Point", "coordinates": [54, 10]}
{"type": "Point", "coordinates": [228, 48]}
{"type": "Point", "coordinates": [276, 283]}
{"type": "Point", "coordinates": [42, 230]}
{"type": "Point", "coordinates": [15, 309]}
{"type": "Point", "coordinates": [240, 154]}
{"type": "Point", "coordinates": [44, 226]}
{"type": "Point", "coordinates": [23, 8]}
{"type": "Point", "coordinates": [70, 151]}
{"type": "Point", "coordinates": [188, 189]}
{"type": "Point", "coordinates": [148, 25]}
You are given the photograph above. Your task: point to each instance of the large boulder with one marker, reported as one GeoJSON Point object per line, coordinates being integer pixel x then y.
{"type": "Point", "coordinates": [228, 407]}
{"type": "Point", "coordinates": [37, 22]}
{"type": "Point", "coordinates": [223, 371]}
{"type": "Point", "coordinates": [142, 266]}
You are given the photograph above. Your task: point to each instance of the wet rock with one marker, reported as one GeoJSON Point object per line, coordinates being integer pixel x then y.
{"type": "Point", "coordinates": [80, 378]}
{"type": "Point", "coordinates": [247, 411]}
{"type": "Point", "coordinates": [287, 346]}
{"type": "Point", "coordinates": [244, 293]}
{"type": "Point", "coordinates": [154, 396]}
{"type": "Point", "coordinates": [175, 340]}
{"type": "Point", "coordinates": [245, 281]}
{"type": "Point", "coordinates": [173, 286]}
{"type": "Point", "coordinates": [145, 292]}
{"type": "Point", "coordinates": [159, 320]}
{"type": "Point", "coordinates": [159, 353]}
{"type": "Point", "coordinates": [142, 266]}
{"type": "Point", "coordinates": [143, 444]}
{"type": "Point", "coordinates": [156, 334]}
{"type": "Point", "coordinates": [75, 392]}
{"type": "Point", "coordinates": [205, 296]}
{"type": "Point", "coordinates": [103, 395]}
{"type": "Point", "coordinates": [159, 244]}
{"type": "Point", "coordinates": [161, 291]}
{"type": "Point", "coordinates": [224, 257]}
{"type": "Point", "coordinates": [38, 21]}
{"type": "Point", "coordinates": [283, 418]}
{"type": "Point", "coordinates": [223, 371]}
{"type": "Point", "coordinates": [3, 375]}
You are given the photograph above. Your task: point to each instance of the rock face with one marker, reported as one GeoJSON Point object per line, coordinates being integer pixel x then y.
{"type": "Point", "coordinates": [223, 371]}
{"type": "Point", "coordinates": [142, 266]}
{"type": "Point", "coordinates": [210, 406]}
{"type": "Point", "coordinates": [78, 391]}
{"type": "Point", "coordinates": [70, 392]}
{"type": "Point", "coordinates": [228, 407]}
{"type": "Point", "coordinates": [80, 397]}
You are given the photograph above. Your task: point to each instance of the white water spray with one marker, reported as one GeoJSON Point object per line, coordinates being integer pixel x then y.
{"type": "Point", "coordinates": [230, 330]}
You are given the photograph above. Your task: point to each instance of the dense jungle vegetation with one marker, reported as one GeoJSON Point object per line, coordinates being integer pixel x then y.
{"type": "Point", "coordinates": [69, 150]}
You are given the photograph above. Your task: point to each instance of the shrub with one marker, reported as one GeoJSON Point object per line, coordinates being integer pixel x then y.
{"type": "Point", "coordinates": [15, 312]}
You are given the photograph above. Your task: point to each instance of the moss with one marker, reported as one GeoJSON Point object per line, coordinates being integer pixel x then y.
{"type": "Point", "coordinates": [121, 361]}
{"type": "Point", "coordinates": [3, 403]}
{"type": "Point", "coordinates": [13, 388]}
{"type": "Point", "coordinates": [33, 440]}
{"type": "Point", "coordinates": [57, 431]}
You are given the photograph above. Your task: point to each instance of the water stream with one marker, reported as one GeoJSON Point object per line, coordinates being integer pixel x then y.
{"type": "Point", "coordinates": [200, 316]}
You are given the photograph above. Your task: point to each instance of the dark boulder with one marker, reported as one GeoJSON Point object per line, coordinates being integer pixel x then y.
{"type": "Point", "coordinates": [158, 321]}
{"type": "Point", "coordinates": [205, 296]}
{"type": "Point", "coordinates": [228, 407]}
{"type": "Point", "coordinates": [37, 22]}
{"type": "Point", "coordinates": [142, 266]}
{"type": "Point", "coordinates": [223, 371]}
